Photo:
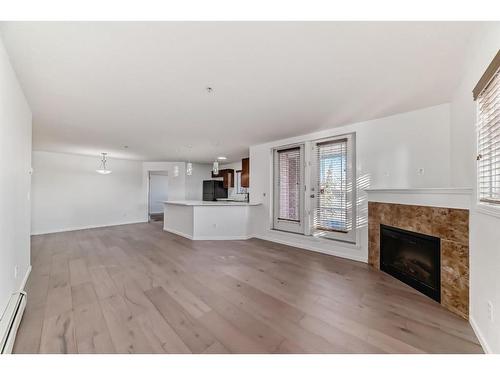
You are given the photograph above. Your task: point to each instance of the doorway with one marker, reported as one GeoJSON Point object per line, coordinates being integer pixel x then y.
{"type": "Point", "coordinates": [158, 192]}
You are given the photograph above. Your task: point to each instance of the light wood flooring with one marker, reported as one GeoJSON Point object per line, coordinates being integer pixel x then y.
{"type": "Point", "coordinates": [137, 289]}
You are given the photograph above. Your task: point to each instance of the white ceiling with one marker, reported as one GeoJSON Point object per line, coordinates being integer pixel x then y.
{"type": "Point", "coordinates": [96, 87]}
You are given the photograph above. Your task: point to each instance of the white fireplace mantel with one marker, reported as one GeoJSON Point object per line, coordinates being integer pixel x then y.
{"type": "Point", "coordinates": [434, 197]}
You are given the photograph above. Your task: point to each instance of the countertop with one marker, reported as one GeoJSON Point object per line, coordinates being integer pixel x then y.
{"type": "Point", "coordinates": [210, 203]}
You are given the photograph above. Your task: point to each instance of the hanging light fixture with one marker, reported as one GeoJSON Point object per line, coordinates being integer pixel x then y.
{"type": "Point", "coordinates": [215, 166]}
{"type": "Point", "coordinates": [189, 165]}
{"type": "Point", "coordinates": [103, 169]}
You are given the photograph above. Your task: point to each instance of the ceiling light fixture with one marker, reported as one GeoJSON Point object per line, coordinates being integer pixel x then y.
{"type": "Point", "coordinates": [221, 158]}
{"type": "Point", "coordinates": [103, 169]}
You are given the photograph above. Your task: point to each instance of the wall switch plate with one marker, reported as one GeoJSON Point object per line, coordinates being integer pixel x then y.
{"type": "Point", "coordinates": [490, 311]}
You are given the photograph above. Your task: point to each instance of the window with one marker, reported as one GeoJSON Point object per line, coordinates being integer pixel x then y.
{"type": "Point", "coordinates": [314, 188]}
{"type": "Point", "coordinates": [487, 95]}
{"type": "Point", "coordinates": [237, 181]}
{"type": "Point", "coordinates": [333, 188]}
{"type": "Point", "coordinates": [289, 189]}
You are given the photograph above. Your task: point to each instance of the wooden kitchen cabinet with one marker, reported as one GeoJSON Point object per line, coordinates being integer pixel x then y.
{"type": "Point", "coordinates": [245, 172]}
{"type": "Point", "coordinates": [227, 175]}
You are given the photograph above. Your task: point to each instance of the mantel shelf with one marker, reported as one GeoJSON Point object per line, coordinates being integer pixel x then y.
{"type": "Point", "coordinates": [468, 191]}
{"type": "Point", "coordinates": [434, 197]}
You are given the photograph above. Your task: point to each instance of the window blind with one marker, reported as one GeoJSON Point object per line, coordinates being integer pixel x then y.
{"type": "Point", "coordinates": [489, 141]}
{"type": "Point", "coordinates": [289, 170]}
{"type": "Point", "coordinates": [331, 209]}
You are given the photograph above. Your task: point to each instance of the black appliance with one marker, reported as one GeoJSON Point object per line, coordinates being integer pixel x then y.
{"type": "Point", "coordinates": [213, 189]}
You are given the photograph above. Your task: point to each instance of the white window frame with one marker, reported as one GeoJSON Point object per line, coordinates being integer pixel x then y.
{"type": "Point", "coordinates": [287, 225]}
{"type": "Point", "coordinates": [486, 203]}
{"type": "Point", "coordinates": [350, 235]}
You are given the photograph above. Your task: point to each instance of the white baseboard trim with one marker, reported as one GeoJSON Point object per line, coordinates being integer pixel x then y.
{"type": "Point", "coordinates": [189, 237]}
{"type": "Point", "coordinates": [11, 317]}
{"type": "Point", "coordinates": [25, 279]}
{"type": "Point", "coordinates": [207, 238]}
{"type": "Point", "coordinates": [70, 229]}
{"type": "Point", "coordinates": [480, 336]}
{"type": "Point", "coordinates": [222, 238]}
{"type": "Point", "coordinates": [313, 248]}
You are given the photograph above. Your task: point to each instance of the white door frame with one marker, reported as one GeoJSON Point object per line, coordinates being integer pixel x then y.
{"type": "Point", "coordinates": [150, 173]}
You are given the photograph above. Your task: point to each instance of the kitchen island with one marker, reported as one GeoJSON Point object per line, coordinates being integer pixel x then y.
{"type": "Point", "coordinates": [204, 220]}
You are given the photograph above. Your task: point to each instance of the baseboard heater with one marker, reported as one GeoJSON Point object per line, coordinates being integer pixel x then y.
{"type": "Point", "coordinates": [9, 322]}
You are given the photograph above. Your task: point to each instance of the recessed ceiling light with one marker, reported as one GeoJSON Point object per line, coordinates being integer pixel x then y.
{"type": "Point", "coordinates": [221, 158]}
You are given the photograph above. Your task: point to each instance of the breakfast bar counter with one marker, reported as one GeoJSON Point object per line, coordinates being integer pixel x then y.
{"type": "Point", "coordinates": [207, 220]}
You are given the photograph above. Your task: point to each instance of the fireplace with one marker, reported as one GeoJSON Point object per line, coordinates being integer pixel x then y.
{"type": "Point", "coordinates": [413, 258]}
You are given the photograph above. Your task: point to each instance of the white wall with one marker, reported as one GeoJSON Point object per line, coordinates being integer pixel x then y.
{"type": "Point", "coordinates": [176, 184]}
{"type": "Point", "coordinates": [182, 186]}
{"type": "Point", "coordinates": [194, 183]}
{"type": "Point", "coordinates": [15, 164]}
{"type": "Point", "coordinates": [484, 228]}
{"type": "Point", "coordinates": [68, 194]}
{"type": "Point", "coordinates": [389, 153]}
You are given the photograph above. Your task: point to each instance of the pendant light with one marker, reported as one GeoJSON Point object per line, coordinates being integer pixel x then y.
{"type": "Point", "coordinates": [189, 165]}
{"type": "Point", "coordinates": [103, 169]}
{"type": "Point", "coordinates": [215, 166]}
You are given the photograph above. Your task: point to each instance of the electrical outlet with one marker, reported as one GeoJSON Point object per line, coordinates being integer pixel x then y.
{"type": "Point", "coordinates": [490, 311]}
{"type": "Point", "coordinates": [16, 271]}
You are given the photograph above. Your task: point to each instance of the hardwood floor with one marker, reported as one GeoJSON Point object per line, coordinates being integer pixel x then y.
{"type": "Point", "coordinates": [137, 289]}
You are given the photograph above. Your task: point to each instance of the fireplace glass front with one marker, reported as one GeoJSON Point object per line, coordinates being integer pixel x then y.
{"type": "Point", "coordinates": [413, 258]}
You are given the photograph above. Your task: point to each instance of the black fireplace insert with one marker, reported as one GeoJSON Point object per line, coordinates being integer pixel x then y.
{"type": "Point", "coordinates": [413, 258]}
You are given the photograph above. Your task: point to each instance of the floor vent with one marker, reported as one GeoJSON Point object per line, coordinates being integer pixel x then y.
{"type": "Point", "coordinates": [10, 321]}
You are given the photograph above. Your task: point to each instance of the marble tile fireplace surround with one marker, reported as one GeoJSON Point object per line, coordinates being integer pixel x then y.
{"type": "Point", "coordinates": [441, 213]}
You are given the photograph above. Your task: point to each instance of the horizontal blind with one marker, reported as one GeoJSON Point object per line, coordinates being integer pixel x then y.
{"type": "Point", "coordinates": [289, 184]}
{"type": "Point", "coordinates": [331, 198]}
{"type": "Point", "coordinates": [489, 142]}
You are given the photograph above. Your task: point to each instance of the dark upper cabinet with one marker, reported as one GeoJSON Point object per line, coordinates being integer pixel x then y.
{"type": "Point", "coordinates": [245, 172]}
{"type": "Point", "coordinates": [227, 175]}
